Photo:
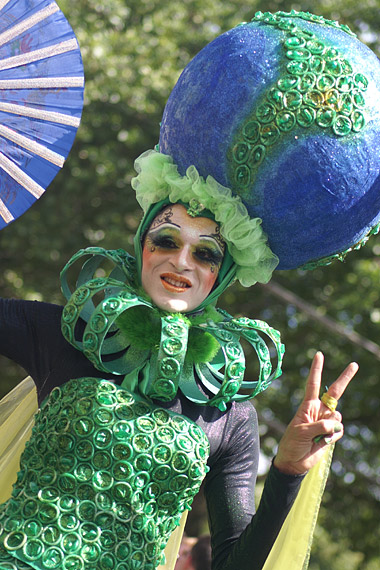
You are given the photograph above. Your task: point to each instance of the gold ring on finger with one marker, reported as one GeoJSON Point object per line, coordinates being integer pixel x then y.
{"type": "Point", "coordinates": [329, 401]}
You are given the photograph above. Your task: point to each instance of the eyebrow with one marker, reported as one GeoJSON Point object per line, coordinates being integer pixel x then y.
{"type": "Point", "coordinates": [171, 225]}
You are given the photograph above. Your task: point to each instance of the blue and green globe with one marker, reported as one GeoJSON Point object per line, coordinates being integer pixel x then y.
{"type": "Point", "coordinates": [285, 111]}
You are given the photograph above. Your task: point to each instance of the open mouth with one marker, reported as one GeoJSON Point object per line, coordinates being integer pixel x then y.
{"type": "Point", "coordinates": [175, 283]}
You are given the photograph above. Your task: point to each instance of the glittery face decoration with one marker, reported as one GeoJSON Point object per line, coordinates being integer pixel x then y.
{"type": "Point", "coordinates": [181, 259]}
{"type": "Point", "coordinates": [318, 88]}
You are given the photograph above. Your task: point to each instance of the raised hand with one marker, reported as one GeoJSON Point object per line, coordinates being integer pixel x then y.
{"type": "Point", "coordinates": [314, 426]}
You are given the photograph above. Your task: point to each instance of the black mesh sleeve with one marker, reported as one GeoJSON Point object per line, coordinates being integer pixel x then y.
{"type": "Point", "coordinates": [241, 538]}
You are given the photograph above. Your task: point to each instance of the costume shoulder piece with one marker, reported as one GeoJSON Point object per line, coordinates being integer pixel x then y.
{"type": "Point", "coordinates": [158, 352]}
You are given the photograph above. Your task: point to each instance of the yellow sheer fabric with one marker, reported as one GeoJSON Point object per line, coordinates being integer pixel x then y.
{"type": "Point", "coordinates": [17, 411]}
{"type": "Point", "coordinates": [292, 547]}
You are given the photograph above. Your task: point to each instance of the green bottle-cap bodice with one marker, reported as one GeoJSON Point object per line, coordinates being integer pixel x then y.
{"type": "Point", "coordinates": [103, 482]}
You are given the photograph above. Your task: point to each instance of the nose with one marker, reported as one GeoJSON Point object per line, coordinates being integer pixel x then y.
{"type": "Point", "coordinates": [182, 259]}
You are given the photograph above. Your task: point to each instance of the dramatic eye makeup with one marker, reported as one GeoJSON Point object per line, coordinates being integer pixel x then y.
{"type": "Point", "coordinates": [206, 251]}
{"type": "Point", "coordinates": [181, 259]}
{"type": "Point", "coordinates": [162, 238]}
{"type": "Point", "coordinates": [209, 254]}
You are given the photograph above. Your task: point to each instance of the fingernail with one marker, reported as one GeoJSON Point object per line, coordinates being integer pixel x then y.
{"type": "Point", "coordinates": [328, 439]}
{"type": "Point", "coordinates": [338, 427]}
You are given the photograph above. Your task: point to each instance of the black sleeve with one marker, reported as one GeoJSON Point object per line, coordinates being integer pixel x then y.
{"type": "Point", "coordinates": [30, 335]}
{"type": "Point", "coordinates": [241, 538]}
{"type": "Point", "coordinates": [26, 328]}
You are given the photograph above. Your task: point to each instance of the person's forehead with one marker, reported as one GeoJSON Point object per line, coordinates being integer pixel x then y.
{"type": "Point", "coordinates": [181, 218]}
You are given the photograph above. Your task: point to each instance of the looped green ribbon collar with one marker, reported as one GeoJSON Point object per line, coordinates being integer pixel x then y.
{"type": "Point", "coordinates": [158, 371]}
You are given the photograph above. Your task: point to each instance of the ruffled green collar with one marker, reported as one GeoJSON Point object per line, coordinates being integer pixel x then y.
{"type": "Point", "coordinates": [158, 352]}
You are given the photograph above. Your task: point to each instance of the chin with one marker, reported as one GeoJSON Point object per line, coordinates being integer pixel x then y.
{"type": "Point", "coordinates": [178, 306]}
{"type": "Point", "coordinates": [172, 305]}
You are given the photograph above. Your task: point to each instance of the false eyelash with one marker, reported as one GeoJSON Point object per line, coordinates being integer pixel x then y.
{"type": "Point", "coordinates": [211, 255]}
{"type": "Point", "coordinates": [163, 241]}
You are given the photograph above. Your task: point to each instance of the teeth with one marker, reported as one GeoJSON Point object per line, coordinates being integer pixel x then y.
{"type": "Point", "coordinates": [181, 284]}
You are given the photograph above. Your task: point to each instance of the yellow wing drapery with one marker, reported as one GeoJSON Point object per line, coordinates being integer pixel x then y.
{"type": "Point", "coordinates": [292, 547]}
{"type": "Point", "coordinates": [17, 411]}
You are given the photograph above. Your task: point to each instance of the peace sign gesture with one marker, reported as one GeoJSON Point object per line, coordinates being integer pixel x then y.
{"type": "Point", "coordinates": [315, 425]}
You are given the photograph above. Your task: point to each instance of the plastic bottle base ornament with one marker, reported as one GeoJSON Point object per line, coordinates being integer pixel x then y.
{"type": "Point", "coordinates": [105, 478]}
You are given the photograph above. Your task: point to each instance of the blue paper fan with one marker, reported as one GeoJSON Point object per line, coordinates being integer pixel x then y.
{"type": "Point", "coordinates": [41, 100]}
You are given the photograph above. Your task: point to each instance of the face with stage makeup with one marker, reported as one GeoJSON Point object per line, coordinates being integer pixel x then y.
{"type": "Point", "coordinates": [182, 256]}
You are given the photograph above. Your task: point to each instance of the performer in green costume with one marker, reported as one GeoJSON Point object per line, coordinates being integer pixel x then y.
{"type": "Point", "coordinates": [142, 395]}
{"type": "Point", "coordinates": [120, 447]}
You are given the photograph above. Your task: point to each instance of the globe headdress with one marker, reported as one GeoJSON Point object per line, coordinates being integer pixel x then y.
{"type": "Point", "coordinates": [282, 115]}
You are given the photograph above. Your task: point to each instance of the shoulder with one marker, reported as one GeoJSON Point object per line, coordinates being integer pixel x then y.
{"type": "Point", "coordinates": [237, 433]}
{"type": "Point", "coordinates": [242, 414]}
{"type": "Point", "coordinates": [241, 424]}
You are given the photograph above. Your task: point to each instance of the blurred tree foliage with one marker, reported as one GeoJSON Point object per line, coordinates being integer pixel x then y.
{"type": "Point", "coordinates": [133, 52]}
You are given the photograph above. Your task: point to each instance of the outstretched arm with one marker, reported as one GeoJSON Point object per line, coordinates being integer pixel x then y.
{"type": "Point", "coordinates": [298, 451]}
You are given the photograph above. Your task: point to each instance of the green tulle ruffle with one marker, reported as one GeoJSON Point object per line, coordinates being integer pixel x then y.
{"type": "Point", "coordinates": [158, 179]}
